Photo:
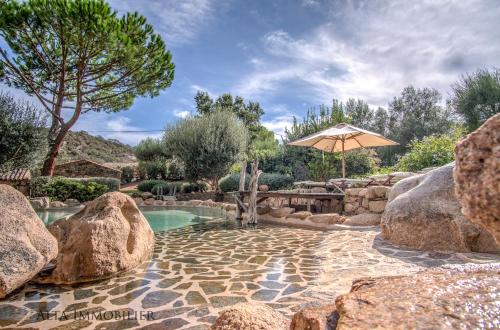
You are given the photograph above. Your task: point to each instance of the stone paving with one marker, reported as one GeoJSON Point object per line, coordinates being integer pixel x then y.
{"type": "Point", "coordinates": [196, 271]}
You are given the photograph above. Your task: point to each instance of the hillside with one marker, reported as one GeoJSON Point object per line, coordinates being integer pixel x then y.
{"type": "Point", "coordinates": [81, 145]}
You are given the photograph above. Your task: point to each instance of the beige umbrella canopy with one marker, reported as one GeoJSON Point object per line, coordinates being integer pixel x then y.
{"type": "Point", "coordinates": [341, 138]}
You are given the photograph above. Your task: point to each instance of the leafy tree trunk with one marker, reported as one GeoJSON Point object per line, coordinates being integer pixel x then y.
{"type": "Point", "coordinates": [242, 176]}
{"type": "Point", "coordinates": [252, 204]}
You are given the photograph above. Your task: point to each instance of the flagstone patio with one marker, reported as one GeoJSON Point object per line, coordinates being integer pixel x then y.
{"type": "Point", "coordinates": [196, 271]}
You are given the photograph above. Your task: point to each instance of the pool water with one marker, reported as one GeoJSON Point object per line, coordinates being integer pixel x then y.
{"type": "Point", "coordinates": [159, 218]}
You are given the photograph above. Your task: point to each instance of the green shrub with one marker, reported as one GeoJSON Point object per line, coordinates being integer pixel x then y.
{"type": "Point", "coordinates": [434, 150]}
{"type": "Point", "coordinates": [37, 185]}
{"type": "Point", "coordinates": [154, 169]}
{"type": "Point", "coordinates": [147, 185]}
{"type": "Point", "coordinates": [59, 188]}
{"type": "Point", "coordinates": [189, 187]}
{"type": "Point", "coordinates": [174, 169]}
{"type": "Point", "coordinates": [275, 181]}
{"type": "Point", "coordinates": [111, 183]}
{"type": "Point", "coordinates": [162, 188]}
{"type": "Point", "coordinates": [127, 174]}
{"type": "Point", "coordinates": [231, 182]}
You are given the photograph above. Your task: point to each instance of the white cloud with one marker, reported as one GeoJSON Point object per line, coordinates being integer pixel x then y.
{"type": "Point", "coordinates": [181, 114]}
{"type": "Point", "coordinates": [310, 3]}
{"type": "Point", "coordinates": [278, 125]}
{"type": "Point", "coordinates": [371, 50]}
{"type": "Point", "coordinates": [197, 88]}
{"type": "Point", "coordinates": [178, 22]}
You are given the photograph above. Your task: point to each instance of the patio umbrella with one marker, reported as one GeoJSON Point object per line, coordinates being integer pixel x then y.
{"type": "Point", "coordinates": [341, 138]}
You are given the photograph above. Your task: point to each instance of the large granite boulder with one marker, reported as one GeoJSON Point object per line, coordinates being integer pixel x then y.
{"type": "Point", "coordinates": [463, 297]}
{"type": "Point", "coordinates": [315, 318]}
{"type": "Point", "coordinates": [477, 176]}
{"type": "Point", "coordinates": [423, 213]}
{"type": "Point", "coordinates": [26, 246]}
{"type": "Point", "coordinates": [252, 316]}
{"type": "Point", "coordinates": [108, 236]}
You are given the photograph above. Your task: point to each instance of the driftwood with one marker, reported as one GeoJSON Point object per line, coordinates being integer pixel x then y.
{"type": "Point", "coordinates": [254, 182]}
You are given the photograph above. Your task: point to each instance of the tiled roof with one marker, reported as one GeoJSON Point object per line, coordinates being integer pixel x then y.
{"type": "Point", "coordinates": [16, 175]}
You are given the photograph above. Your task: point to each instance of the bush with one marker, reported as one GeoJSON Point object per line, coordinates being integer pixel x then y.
{"type": "Point", "coordinates": [162, 188]}
{"type": "Point", "coordinates": [231, 182]}
{"type": "Point", "coordinates": [37, 185]}
{"type": "Point", "coordinates": [59, 188]}
{"type": "Point", "coordinates": [174, 169]}
{"type": "Point", "coordinates": [147, 185]}
{"type": "Point", "coordinates": [207, 145]}
{"type": "Point", "coordinates": [154, 169]}
{"type": "Point", "coordinates": [434, 150]}
{"type": "Point", "coordinates": [127, 174]}
{"type": "Point", "coordinates": [275, 181]}
{"type": "Point", "coordinates": [157, 186]}
{"type": "Point", "coordinates": [112, 184]}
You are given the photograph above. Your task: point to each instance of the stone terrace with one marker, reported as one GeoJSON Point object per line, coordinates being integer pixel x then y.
{"type": "Point", "coordinates": [197, 271]}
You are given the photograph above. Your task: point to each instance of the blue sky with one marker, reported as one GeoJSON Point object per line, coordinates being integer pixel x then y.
{"type": "Point", "coordinates": [291, 55]}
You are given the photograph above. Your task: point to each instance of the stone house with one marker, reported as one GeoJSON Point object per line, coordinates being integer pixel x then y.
{"type": "Point", "coordinates": [19, 179]}
{"type": "Point", "coordinates": [85, 168]}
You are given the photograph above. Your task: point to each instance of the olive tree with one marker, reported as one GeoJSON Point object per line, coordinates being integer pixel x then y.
{"type": "Point", "coordinates": [476, 97]}
{"type": "Point", "coordinates": [208, 145]}
{"type": "Point", "coordinates": [79, 56]}
{"type": "Point", "coordinates": [22, 137]}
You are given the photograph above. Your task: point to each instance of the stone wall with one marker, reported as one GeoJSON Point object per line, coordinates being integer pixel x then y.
{"type": "Point", "coordinates": [366, 200]}
{"type": "Point", "coordinates": [85, 169]}
{"type": "Point", "coordinates": [303, 204]}
{"type": "Point", "coordinates": [22, 186]}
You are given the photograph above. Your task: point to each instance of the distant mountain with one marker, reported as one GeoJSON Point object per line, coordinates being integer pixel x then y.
{"type": "Point", "coordinates": [82, 145]}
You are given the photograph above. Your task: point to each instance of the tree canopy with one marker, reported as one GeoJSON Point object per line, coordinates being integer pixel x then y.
{"type": "Point", "coordinates": [476, 97]}
{"type": "Point", "coordinates": [208, 145]}
{"type": "Point", "coordinates": [80, 56]}
{"type": "Point", "coordinates": [249, 113]}
{"type": "Point", "coordinates": [22, 138]}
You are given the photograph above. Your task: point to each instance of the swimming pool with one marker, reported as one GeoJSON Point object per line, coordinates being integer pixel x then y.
{"type": "Point", "coordinates": [160, 218]}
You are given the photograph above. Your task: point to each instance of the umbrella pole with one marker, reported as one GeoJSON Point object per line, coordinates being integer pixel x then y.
{"type": "Point", "coordinates": [343, 160]}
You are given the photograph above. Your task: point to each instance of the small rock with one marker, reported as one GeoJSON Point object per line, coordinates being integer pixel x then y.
{"type": "Point", "coordinates": [281, 212]}
{"type": "Point", "coordinates": [72, 202]}
{"type": "Point", "coordinates": [350, 207]}
{"type": "Point", "coordinates": [263, 188]}
{"type": "Point", "coordinates": [366, 219]}
{"type": "Point", "coordinates": [138, 201]}
{"type": "Point", "coordinates": [57, 204]}
{"type": "Point", "coordinates": [40, 203]}
{"type": "Point", "coordinates": [377, 206]}
{"type": "Point", "coordinates": [251, 316]}
{"type": "Point", "coordinates": [147, 195]}
{"type": "Point", "coordinates": [353, 191]}
{"type": "Point", "coordinates": [327, 218]}
{"type": "Point", "coordinates": [149, 201]}
{"type": "Point", "coordinates": [299, 215]}
{"type": "Point", "coordinates": [263, 209]}
{"type": "Point", "coordinates": [375, 192]}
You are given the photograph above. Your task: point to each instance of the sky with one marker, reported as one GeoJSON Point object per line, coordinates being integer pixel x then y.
{"type": "Point", "coordinates": [291, 55]}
